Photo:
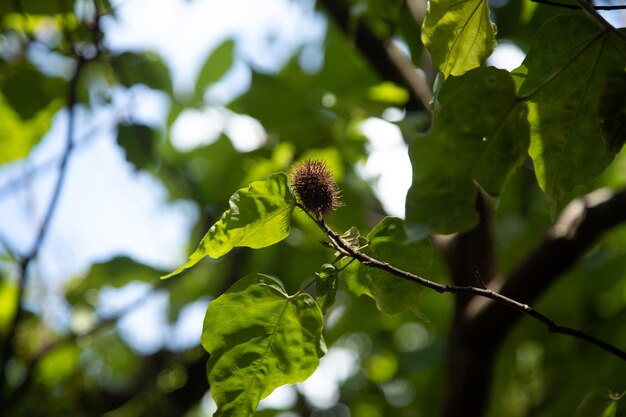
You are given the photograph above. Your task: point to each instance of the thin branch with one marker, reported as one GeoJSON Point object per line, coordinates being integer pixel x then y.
{"type": "Point", "coordinates": [7, 348]}
{"type": "Point", "coordinates": [552, 326]}
{"type": "Point", "coordinates": [589, 9]}
{"type": "Point", "coordinates": [576, 6]}
{"type": "Point", "coordinates": [8, 341]}
{"type": "Point", "coordinates": [579, 226]}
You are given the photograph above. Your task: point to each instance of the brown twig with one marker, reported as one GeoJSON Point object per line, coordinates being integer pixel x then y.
{"type": "Point", "coordinates": [576, 6]}
{"type": "Point", "coordinates": [578, 227]}
{"type": "Point", "coordinates": [552, 326]}
{"type": "Point", "coordinates": [592, 11]}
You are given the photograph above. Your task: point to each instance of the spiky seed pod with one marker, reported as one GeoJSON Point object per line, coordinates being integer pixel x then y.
{"type": "Point", "coordinates": [315, 187]}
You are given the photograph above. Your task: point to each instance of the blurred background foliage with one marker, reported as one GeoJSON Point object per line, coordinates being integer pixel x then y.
{"type": "Point", "coordinates": [87, 364]}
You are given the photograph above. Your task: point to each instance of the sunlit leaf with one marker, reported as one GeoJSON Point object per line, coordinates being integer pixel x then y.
{"type": "Point", "coordinates": [388, 92]}
{"type": "Point", "coordinates": [598, 403]}
{"type": "Point", "coordinates": [8, 302]}
{"type": "Point", "coordinates": [480, 133]}
{"type": "Point", "coordinates": [17, 137]}
{"type": "Point", "coordinates": [59, 364]}
{"type": "Point", "coordinates": [458, 34]}
{"type": "Point", "coordinates": [259, 338]}
{"type": "Point", "coordinates": [259, 216]}
{"type": "Point", "coordinates": [564, 75]}
{"type": "Point", "coordinates": [389, 243]}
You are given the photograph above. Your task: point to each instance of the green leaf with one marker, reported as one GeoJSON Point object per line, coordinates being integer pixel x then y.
{"type": "Point", "coordinates": [138, 143]}
{"type": "Point", "coordinates": [29, 91]}
{"type": "Point", "coordinates": [352, 237]}
{"type": "Point", "coordinates": [17, 137]}
{"type": "Point", "coordinates": [598, 403]}
{"type": "Point", "coordinates": [458, 34]}
{"type": "Point", "coordinates": [35, 7]}
{"type": "Point", "coordinates": [612, 111]}
{"type": "Point", "coordinates": [564, 76]}
{"type": "Point", "coordinates": [116, 273]}
{"type": "Point", "coordinates": [259, 216]}
{"type": "Point", "coordinates": [290, 104]}
{"type": "Point", "coordinates": [58, 365]}
{"type": "Point", "coordinates": [389, 243]}
{"type": "Point", "coordinates": [326, 286]}
{"type": "Point", "coordinates": [8, 302]}
{"type": "Point", "coordinates": [219, 61]}
{"type": "Point", "coordinates": [142, 68]}
{"type": "Point", "coordinates": [259, 338]}
{"type": "Point", "coordinates": [480, 132]}
{"type": "Point", "coordinates": [388, 92]}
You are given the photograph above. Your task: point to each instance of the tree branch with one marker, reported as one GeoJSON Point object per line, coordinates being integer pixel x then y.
{"type": "Point", "coordinates": [486, 324]}
{"type": "Point", "coordinates": [591, 11]}
{"type": "Point", "coordinates": [8, 340]}
{"type": "Point", "coordinates": [7, 348]}
{"type": "Point", "coordinates": [471, 261]}
{"type": "Point", "coordinates": [578, 227]}
{"type": "Point", "coordinates": [503, 300]}
{"type": "Point", "coordinates": [577, 7]}
{"type": "Point", "coordinates": [390, 63]}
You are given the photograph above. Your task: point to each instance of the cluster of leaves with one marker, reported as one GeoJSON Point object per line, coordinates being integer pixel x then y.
{"type": "Point", "coordinates": [486, 121]}
{"type": "Point", "coordinates": [555, 106]}
{"type": "Point", "coordinates": [564, 106]}
{"type": "Point", "coordinates": [258, 336]}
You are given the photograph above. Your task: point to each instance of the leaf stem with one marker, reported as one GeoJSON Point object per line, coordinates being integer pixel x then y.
{"type": "Point", "coordinates": [576, 7]}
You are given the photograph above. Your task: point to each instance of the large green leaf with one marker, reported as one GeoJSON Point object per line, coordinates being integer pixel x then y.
{"type": "Point", "coordinates": [481, 133]}
{"type": "Point", "coordinates": [389, 243]}
{"type": "Point", "coordinates": [259, 338]}
{"type": "Point", "coordinates": [598, 403]}
{"type": "Point", "coordinates": [259, 216]}
{"type": "Point", "coordinates": [458, 34]}
{"type": "Point", "coordinates": [564, 76]}
{"type": "Point", "coordinates": [219, 61]}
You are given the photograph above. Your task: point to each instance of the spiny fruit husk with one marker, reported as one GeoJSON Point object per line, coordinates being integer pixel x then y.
{"type": "Point", "coordinates": [315, 187]}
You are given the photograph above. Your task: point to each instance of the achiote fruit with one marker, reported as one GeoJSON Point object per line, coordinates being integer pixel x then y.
{"type": "Point", "coordinates": [315, 187]}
